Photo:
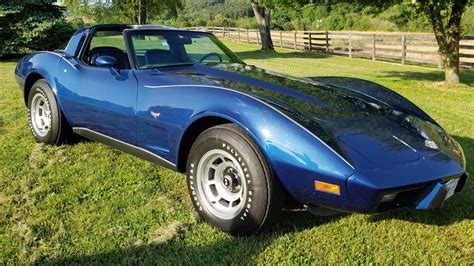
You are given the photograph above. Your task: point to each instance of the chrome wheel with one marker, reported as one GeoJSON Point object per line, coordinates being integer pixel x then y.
{"type": "Point", "coordinates": [40, 115]}
{"type": "Point", "coordinates": [220, 182]}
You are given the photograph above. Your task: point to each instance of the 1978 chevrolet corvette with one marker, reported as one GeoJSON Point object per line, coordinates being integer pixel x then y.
{"type": "Point", "coordinates": [247, 138]}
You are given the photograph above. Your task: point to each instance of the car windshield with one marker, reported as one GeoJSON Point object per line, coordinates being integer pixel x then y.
{"type": "Point", "coordinates": [166, 48]}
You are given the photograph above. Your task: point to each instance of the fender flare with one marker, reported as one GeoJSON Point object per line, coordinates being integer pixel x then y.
{"type": "Point", "coordinates": [32, 69]}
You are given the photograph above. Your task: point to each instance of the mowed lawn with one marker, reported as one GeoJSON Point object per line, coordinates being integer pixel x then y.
{"type": "Point", "coordinates": [87, 203]}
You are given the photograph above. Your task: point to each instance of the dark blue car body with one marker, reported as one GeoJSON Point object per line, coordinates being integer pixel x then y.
{"type": "Point", "coordinates": [361, 136]}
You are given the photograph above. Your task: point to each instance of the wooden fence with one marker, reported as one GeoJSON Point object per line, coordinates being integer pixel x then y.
{"type": "Point", "coordinates": [402, 47]}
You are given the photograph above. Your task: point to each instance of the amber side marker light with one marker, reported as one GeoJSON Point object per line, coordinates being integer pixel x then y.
{"type": "Point", "coordinates": [327, 187]}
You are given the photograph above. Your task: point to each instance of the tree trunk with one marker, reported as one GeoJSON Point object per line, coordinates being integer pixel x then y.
{"type": "Point", "coordinates": [142, 12]}
{"type": "Point", "coordinates": [448, 37]}
{"type": "Point", "coordinates": [263, 15]}
{"type": "Point", "coordinates": [451, 57]}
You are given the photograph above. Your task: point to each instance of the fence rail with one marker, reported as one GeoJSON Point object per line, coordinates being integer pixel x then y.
{"type": "Point", "coordinates": [402, 47]}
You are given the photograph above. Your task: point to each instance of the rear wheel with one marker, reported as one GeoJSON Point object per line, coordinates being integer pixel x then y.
{"type": "Point", "coordinates": [231, 183]}
{"type": "Point", "coordinates": [46, 120]}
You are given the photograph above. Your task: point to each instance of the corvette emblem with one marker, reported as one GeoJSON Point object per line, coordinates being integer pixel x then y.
{"type": "Point", "coordinates": [154, 114]}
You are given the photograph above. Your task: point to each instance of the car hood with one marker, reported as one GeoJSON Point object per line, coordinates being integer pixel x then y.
{"type": "Point", "coordinates": [364, 130]}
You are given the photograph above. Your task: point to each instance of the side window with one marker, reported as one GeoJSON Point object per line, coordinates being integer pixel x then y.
{"type": "Point", "coordinates": [108, 38]}
{"type": "Point", "coordinates": [109, 43]}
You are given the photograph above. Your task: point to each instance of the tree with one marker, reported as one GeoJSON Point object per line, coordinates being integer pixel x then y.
{"type": "Point", "coordinates": [130, 11]}
{"type": "Point", "coordinates": [262, 13]}
{"type": "Point", "coordinates": [138, 11]}
{"type": "Point", "coordinates": [30, 25]}
{"type": "Point", "coordinates": [262, 10]}
{"type": "Point", "coordinates": [445, 17]}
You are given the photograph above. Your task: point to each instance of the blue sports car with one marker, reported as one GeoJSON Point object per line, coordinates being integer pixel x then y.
{"type": "Point", "coordinates": [248, 139]}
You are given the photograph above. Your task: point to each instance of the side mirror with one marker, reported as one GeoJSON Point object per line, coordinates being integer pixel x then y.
{"type": "Point", "coordinates": [105, 61]}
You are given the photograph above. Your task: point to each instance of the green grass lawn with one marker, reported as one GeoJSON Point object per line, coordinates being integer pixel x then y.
{"type": "Point", "coordinates": [89, 203]}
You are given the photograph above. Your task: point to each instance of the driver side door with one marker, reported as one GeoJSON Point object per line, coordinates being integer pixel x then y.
{"type": "Point", "coordinates": [102, 99]}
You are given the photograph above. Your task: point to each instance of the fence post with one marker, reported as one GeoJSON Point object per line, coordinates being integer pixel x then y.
{"type": "Point", "coordinates": [440, 62]}
{"type": "Point", "coordinates": [404, 48]}
{"type": "Point", "coordinates": [296, 44]}
{"type": "Point", "coordinates": [327, 42]}
{"type": "Point", "coordinates": [248, 38]}
{"type": "Point", "coordinates": [310, 41]}
{"type": "Point", "coordinates": [258, 35]}
{"type": "Point", "coordinates": [373, 47]}
{"type": "Point", "coordinates": [281, 39]}
{"type": "Point", "coordinates": [238, 32]}
{"type": "Point", "coordinates": [350, 44]}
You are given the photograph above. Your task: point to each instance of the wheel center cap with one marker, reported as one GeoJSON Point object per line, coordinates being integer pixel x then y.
{"type": "Point", "coordinates": [227, 181]}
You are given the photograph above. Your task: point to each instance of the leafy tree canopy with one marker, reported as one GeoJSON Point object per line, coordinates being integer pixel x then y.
{"type": "Point", "coordinates": [126, 11]}
{"type": "Point", "coordinates": [31, 25]}
{"type": "Point", "coordinates": [399, 15]}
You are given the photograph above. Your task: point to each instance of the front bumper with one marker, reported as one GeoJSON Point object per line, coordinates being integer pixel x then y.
{"type": "Point", "coordinates": [428, 195]}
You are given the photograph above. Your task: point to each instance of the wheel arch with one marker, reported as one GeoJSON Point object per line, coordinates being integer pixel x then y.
{"type": "Point", "coordinates": [36, 66]}
{"type": "Point", "coordinates": [194, 129]}
{"type": "Point", "coordinates": [33, 77]}
{"type": "Point", "coordinates": [202, 123]}
{"type": "Point", "coordinates": [29, 81]}
{"type": "Point", "coordinates": [205, 122]}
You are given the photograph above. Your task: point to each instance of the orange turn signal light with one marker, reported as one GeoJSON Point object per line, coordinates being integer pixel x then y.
{"type": "Point", "coordinates": [327, 187]}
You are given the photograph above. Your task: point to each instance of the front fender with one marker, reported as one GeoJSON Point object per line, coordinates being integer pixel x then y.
{"type": "Point", "coordinates": [297, 156]}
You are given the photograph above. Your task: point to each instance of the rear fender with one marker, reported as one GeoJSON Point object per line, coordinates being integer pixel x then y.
{"type": "Point", "coordinates": [41, 65]}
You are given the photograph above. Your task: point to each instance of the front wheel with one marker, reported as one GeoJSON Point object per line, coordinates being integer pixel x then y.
{"type": "Point", "coordinates": [230, 182]}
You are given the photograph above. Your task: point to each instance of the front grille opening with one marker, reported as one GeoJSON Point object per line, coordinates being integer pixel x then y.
{"type": "Point", "coordinates": [462, 182]}
{"type": "Point", "coordinates": [409, 197]}
{"type": "Point", "coordinates": [405, 198]}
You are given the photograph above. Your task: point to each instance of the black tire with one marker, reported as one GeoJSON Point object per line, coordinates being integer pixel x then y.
{"type": "Point", "coordinates": [262, 196]}
{"type": "Point", "coordinates": [59, 131]}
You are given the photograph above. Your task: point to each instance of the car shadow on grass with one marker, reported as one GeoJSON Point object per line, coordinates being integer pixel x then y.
{"type": "Point", "coordinates": [222, 251]}
{"type": "Point", "coordinates": [458, 208]}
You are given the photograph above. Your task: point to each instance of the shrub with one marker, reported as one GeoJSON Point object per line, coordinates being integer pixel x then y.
{"type": "Point", "coordinates": [77, 23]}
{"type": "Point", "coordinates": [28, 26]}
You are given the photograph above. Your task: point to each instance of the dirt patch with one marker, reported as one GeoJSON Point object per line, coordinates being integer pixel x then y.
{"type": "Point", "coordinates": [118, 230]}
{"type": "Point", "coordinates": [166, 234]}
{"type": "Point", "coordinates": [36, 154]}
{"type": "Point", "coordinates": [43, 155]}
